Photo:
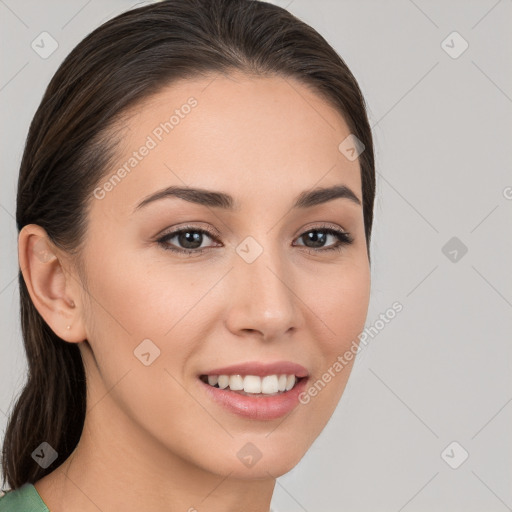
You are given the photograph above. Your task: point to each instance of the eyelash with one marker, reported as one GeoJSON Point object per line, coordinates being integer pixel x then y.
{"type": "Point", "coordinates": [344, 239]}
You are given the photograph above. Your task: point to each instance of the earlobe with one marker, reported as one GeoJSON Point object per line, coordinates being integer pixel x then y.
{"type": "Point", "coordinates": [50, 288]}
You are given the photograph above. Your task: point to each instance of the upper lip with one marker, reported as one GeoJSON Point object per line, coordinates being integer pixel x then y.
{"type": "Point", "coordinates": [261, 369]}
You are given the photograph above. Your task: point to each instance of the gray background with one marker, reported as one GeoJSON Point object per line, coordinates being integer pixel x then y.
{"type": "Point", "coordinates": [440, 371]}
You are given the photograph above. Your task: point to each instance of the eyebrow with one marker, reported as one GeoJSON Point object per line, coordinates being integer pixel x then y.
{"type": "Point", "coordinates": [214, 199]}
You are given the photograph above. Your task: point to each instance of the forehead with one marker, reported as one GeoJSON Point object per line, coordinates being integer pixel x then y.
{"type": "Point", "coordinates": [255, 138]}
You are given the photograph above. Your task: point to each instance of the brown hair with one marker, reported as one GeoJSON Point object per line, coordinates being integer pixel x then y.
{"type": "Point", "coordinates": [70, 145]}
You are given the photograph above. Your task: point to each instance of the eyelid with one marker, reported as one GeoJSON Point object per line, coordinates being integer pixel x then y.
{"type": "Point", "coordinates": [321, 225]}
{"type": "Point", "coordinates": [190, 226]}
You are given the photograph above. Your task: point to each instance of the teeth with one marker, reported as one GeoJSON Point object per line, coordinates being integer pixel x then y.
{"type": "Point", "coordinates": [253, 384]}
{"type": "Point", "coordinates": [236, 382]}
{"type": "Point", "coordinates": [290, 382]}
{"type": "Point", "coordinates": [223, 381]}
{"type": "Point", "coordinates": [269, 384]}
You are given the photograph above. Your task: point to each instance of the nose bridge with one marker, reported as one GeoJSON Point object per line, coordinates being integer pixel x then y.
{"type": "Point", "coordinates": [262, 293]}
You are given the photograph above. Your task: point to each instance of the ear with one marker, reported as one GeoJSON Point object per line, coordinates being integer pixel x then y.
{"type": "Point", "coordinates": [53, 290]}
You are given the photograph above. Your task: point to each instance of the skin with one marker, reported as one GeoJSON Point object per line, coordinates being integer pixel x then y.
{"type": "Point", "coordinates": [152, 439]}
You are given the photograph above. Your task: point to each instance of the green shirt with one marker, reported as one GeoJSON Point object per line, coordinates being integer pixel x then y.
{"type": "Point", "coordinates": [23, 499]}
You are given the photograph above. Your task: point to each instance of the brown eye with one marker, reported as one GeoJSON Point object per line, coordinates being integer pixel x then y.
{"type": "Point", "coordinates": [316, 239]}
{"type": "Point", "coordinates": [189, 238]}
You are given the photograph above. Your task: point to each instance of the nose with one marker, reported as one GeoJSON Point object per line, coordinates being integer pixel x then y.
{"type": "Point", "coordinates": [263, 299]}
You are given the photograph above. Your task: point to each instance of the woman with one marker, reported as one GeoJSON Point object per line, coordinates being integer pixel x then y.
{"type": "Point", "coordinates": [195, 205]}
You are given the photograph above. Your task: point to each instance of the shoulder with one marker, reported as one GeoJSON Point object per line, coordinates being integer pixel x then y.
{"type": "Point", "coordinates": [23, 499]}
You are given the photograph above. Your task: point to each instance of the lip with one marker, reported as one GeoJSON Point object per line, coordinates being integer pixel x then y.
{"type": "Point", "coordinates": [258, 407]}
{"type": "Point", "coordinates": [261, 369]}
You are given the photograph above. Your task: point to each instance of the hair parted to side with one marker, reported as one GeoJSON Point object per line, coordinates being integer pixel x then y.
{"type": "Point", "coordinates": [70, 145]}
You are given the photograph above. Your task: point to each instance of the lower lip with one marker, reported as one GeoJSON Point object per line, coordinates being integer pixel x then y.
{"type": "Point", "coordinates": [258, 407]}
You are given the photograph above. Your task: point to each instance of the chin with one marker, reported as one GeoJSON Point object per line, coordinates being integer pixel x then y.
{"type": "Point", "coordinates": [273, 466]}
{"type": "Point", "coordinates": [261, 458]}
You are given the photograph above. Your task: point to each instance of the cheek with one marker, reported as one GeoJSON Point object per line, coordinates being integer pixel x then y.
{"type": "Point", "coordinates": [340, 306]}
{"type": "Point", "coordinates": [340, 302]}
{"type": "Point", "coordinates": [135, 300]}
{"type": "Point", "coordinates": [131, 297]}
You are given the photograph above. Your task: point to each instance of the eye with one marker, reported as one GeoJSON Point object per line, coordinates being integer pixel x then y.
{"type": "Point", "coordinates": [191, 239]}
{"type": "Point", "coordinates": [318, 236]}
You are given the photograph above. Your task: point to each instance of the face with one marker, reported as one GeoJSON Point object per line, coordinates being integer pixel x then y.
{"type": "Point", "coordinates": [260, 281]}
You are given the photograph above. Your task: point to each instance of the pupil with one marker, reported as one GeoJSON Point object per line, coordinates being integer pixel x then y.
{"type": "Point", "coordinates": [318, 240]}
{"type": "Point", "coordinates": [195, 240]}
